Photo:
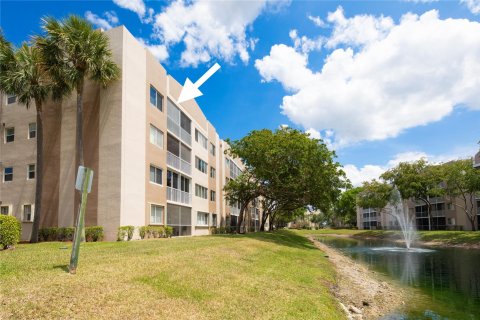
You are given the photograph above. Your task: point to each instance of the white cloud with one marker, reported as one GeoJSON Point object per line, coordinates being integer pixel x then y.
{"type": "Point", "coordinates": [158, 50]}
{"type": "Point", "coordinates": [368, 172]}
{"type": "Point", "coordinates": [359, 30]}
{"type": "Point", "coordinates": [211, 29]}
{"type": "Point", "coordinates": [305, 44]}
{"type": "Point", "coordinates": [472, 5]}
{"type": "Point", "coordinates": [381, 82]}
{"type": "Point", "coordinates": [317, 21]}
{"type": "Point", "coordinates": [137, 6]}
{"type": "Point", "coordinates": [106, 24]}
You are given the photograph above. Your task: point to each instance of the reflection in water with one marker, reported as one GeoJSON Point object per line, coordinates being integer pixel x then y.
{"type": "Point", "coordinates": [449, 279]}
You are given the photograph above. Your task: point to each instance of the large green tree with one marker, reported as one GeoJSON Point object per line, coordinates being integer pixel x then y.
{"type": "Point", "coordinates": [462, 185]}
{"type": "Point", "coordinates": [419, 180]}
{"type": "Point", "coordinates": [374, 194]}
{"type": "Point", "coordinates": [346, 207]}
{"type": "Point", "coordinates": [290, 169]}
{"type": "Point", "coordinates": [24, 74]}
{"type": "Point", "coordinates": [74, 52]}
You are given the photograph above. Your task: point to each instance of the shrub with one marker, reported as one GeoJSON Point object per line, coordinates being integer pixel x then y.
{"type": "Point", "coordinates": [65, 234]}
{"type": "Point", "coordinates": [168, 231]}
{"type": "Point", "coordinates": [125, 231]}
{"type": "Point", "coordinates": [10, 229]}
{"type": "Point", "coordinates": [93, 234]}
{"type": "Point", "coordinates": [223, 230]}
{"type": "Point", "coordinates": [143, 231]}
{"type": "Point", "coordinates": [48, 234]}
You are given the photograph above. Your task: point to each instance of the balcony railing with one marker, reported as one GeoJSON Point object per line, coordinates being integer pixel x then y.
{"type": "Point", "coordinates": [179, 164]}
{"type": "Point", "coordinates": [178, 196]}
{"type": "Point", "coordinates": [234, 211]}
{"type": "Point", "coordinates": [175, 128]}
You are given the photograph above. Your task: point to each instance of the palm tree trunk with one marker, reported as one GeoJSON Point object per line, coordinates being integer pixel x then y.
{"type": "Point", "coordinates": [39, 175]}
{"type": "Point", "coordinates": [79, 141]}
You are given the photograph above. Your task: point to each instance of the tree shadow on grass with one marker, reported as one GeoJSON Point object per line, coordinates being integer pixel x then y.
{"type": "Point", "coordinates": [280, 237]}
{"type": "Point", "coordinates": [63, 267]}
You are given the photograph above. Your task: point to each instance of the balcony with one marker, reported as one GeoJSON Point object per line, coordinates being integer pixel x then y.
{"type": "Point", "coordinates": [175, 128]}
{"type": "Point", "coordinates": [179, 164]}
{"type": "Point", "coordinates": [179, 196]}
{"type": "Point", "coordinates": [234, 211]}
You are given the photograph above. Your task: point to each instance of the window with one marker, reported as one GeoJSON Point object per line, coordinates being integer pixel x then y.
{"type": "Point", "coordinates": [156, 136]}
{"type": "Point", "coordinates": [214, 219]}
{"type": "Point", "coordinates": [202, 218]}
{"type": "Point", "coordinates": [9, 134]}
{"type": "Point", "coordinates": [30, 172]}
{"type": "Point", "coordinates": [11, 98]}
{"type": "Point", "coordinates": [213, 172]}
{"type": "Point", "coordinates": [156, 214]}
{"type": "Point", "coordinates": [5, 210]}
{"type": "Point", "coordinates": [212, 149]}
{"type": "Point", "coordinates": [201, 192]}
{"type": "Point", "coordinates": [155, 175]}
{"type": "Point", "coordinates": [27, 213]}
{"type": "Point", "coordinates": [156, 99]}
{"type": "Point", "coordinates": [201, 139]}
{"type": "Point", "coordinates": [8, 174]}
{"type": "Point", "coordinates": [212, 195]}
{"type": "Point", "coordinates": [185, 123]}
{"type": "Point", "coordinates": [201, 165]}
{"type": "Point", "coordinates": [32, 130]}
{"type": "Point", "coordinates": [176, 181]}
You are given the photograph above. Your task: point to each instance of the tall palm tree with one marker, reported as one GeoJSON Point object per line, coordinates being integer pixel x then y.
{"type": "Point", "coordinates": [24, 74]}
{"type": "Point", "coordinates": [75, 52]}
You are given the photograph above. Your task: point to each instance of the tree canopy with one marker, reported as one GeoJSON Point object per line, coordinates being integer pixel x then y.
{"type": "Point", "coordinates": [289, 168]}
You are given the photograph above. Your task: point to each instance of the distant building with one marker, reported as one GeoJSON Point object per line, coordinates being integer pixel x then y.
{"type": "Point", "coordinates": [445, 216]}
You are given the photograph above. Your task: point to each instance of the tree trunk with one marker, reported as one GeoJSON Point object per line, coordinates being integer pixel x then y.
{"type": "Point", "coordinates": [79, 141]}
{"type": "Point", "coordinates": [264, 220]}
{"type": "Point", "coordinates": [270, 222]}
{"type": "Point", "coordinates": [37, 212]}
{"type": "Point", "coordinates": [240, 217]}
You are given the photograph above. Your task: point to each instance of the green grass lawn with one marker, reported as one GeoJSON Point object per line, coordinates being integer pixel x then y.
{"type": "Point", "coordinates": [255, 276]}
{"type": "Point", "coordinates": [445, 237]}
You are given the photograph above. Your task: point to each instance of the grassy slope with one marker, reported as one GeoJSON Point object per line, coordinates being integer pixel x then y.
{"type": "Point", "coordinates": [445, 237]}
{"type": "Point", "coordinates": [262, 275]}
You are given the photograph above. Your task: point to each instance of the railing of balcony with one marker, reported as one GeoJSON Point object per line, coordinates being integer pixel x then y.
{"type": "Point", "coordinates": [179, 164]}
{"type": "Point", "coordinates": [234, 211]}
{"type": "Point", "coordinates": [178, 196]}
{"type": "Point", "coordinates": [175, 128]}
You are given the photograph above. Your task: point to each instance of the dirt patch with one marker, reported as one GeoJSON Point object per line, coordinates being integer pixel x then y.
{"type": "Point", "coordinates": [360, 293]}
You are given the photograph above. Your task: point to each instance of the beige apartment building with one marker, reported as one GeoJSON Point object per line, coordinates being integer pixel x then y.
{"type": "Point", "coordinates": [155, 161]}
{"type": "Point", "coordinates": [445, 215]}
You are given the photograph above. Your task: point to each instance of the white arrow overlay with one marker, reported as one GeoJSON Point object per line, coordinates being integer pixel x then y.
{"type": "Point", "coordinates": [190, 90]}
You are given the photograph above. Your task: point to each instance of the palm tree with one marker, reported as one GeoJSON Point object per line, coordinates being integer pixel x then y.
{"type": "Point", "coordinates": [24, 74]}
{"type": "Point", "coordinates": [75, 52]}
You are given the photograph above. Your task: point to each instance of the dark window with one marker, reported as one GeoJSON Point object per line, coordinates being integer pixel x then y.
{"type": "Point", "coordinates": [9, 134]}
{"type": "Point", "coordinates": [31, 171]}
{"type": "Point", "coordinates": [156, 99]}
{"type": "Point", "coordinates": [11, 98]}
{"type": "Point", "coordinates": [185, 123]}
{"type": "Point", "coordinates": [8, 174]}
{"type": "Point", "coordinates": [155, 175]}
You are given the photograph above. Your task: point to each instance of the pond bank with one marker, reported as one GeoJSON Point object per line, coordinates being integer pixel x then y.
{"type": "Point", "coordinates": [361, 293]}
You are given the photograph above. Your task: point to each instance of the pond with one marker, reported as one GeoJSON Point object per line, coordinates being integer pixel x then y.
{"type": "Point", "coordinates": [444, 282]}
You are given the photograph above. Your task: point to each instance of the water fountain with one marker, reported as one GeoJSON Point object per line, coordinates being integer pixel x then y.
{"type": "Point", "coordinates": [406, 223]}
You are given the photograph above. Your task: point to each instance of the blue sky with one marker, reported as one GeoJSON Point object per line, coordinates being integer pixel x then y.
{"type": "Point", "coordinates": [379, 81]}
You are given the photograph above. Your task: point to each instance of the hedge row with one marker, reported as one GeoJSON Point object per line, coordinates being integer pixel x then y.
{"type": "Point", "coordinates": [126, 232]}
{"type": "Point", "coordinates": [10, 229]}
{"type": "Point", "coordinates": [92, 234]}
{"type": "Point", "coordinates": [223, 230]}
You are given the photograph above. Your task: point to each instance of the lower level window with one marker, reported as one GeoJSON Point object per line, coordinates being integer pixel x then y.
{"type": "Point", "coordinates": [8, 174]}
{"type": "Point", "coordinates": [202, 219]}
{"type": "Point", "coordinates": [27, 212]}
{"type": "Point", "coordinates": [214, 219]}
{"type": "Point", "coordinates": [156, 214]}
{"type": "Point", "coordinates": [5, 210]}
